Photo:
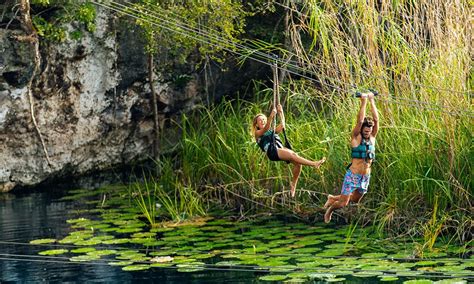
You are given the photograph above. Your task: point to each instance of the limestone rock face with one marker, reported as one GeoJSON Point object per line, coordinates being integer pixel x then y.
{"type": "Point", "coordinates": [92, 104]}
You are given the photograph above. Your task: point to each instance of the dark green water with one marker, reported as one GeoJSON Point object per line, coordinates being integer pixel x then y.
{"type": "Point", "coordinates": [216, 251]}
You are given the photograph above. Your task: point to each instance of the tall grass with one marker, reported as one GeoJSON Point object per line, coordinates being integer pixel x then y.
{"type": "Point", "coordinates": [413, 175]}
{"type": "Point", "coordinates": [417, 53]}
{"type": "Point", "coordinates": [167, 197]}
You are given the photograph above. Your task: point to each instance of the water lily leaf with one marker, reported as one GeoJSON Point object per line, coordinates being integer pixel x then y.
{"type": "Point", "coordinates": [273, 277]}
{"type": "Point", "coordinates": [401, 255]}
{"type": "Point", "coordinates": [374, 255]}
{"type": "Point", "coordinates": [116, 241]}
{"type": "Point", "coordinates": [203, 255]}
{"type": "Point", "coordinates": [284, 268]}
{"type": "Point", "coordinates": [103, 252]}
{"type": "Point", "coordinates": [136, 267]}
{"type": "Point", "coordinates": [434, 254]}
{"type": "Point", "coordinates": [144, 235]}
{"type": "Point", "coordinates": [452, 281]}
{"type": "Point", "coordinates": [426, 263]}
{"type": "Point", "coordinates": [295, 280]}
{"type": "Point", "coordinates": [78, 220]}
{"type": "Point", "coordinates": [161, 264]}
{"type": "Point", "coordinates": [53, 252]}
{"type": "Point", "coordinates": [87, 242]}
{"type": "Point", "coordinates": [306, 250]}
{"type": "Point", "coordinates": [120, 263]}
{"type": "Point", "coordinates": [331, 252]}
{"type": "Point", "coordinates": [127, 230]}
{"type": "Point", "coordinates": [84, 258]}
{"type": "Point", "coordinates": [336, 279]}
{"type": "Point", "coordinates": [163, 252]}
{"type": "Point", "coordinates": [367, 273]}
{"type": "Point", "coordinates": [42, 241]}
{"type": "Point", "coordinates": [83, 250]}
{"type": "Point", "coordinates": [227, 263]}
{"type": "Point", "coordinates": [409, 273]}
{"type": "Point", "coordinates": [418, 281]}
{"type": "Point", "coordinates": [178, 260]}
{"type": "Point", "coordinates": [388, 278]}
{"type": "Point", "coordinates": [190, 267]}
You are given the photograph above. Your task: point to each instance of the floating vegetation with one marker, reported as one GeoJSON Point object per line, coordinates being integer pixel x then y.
{"type": "Point", "coordinates": [136, 267]}
{"type": "Point", "coordinates": [42, 241]}
{"type": "Point", "coordinates": [290, 252]}
{"type": "Point", "coordinates": [273, 277]}
{"type": "Point", "coordinates": [53, 252]}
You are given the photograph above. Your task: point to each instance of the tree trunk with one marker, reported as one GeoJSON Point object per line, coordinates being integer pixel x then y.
{"type": "Point", "coordinates": [156, 126]}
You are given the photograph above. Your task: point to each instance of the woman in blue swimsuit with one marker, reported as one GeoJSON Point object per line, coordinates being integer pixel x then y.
{"type": "Point", "coordinates": [270, 143]}
{"type": "Point", "coordinates": [356, 180]}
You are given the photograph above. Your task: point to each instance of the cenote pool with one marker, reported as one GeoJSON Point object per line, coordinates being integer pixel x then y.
{"type": "Point", "coordinates": [101, 236]}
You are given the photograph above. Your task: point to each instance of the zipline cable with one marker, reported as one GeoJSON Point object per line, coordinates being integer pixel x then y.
{"type": "Point", "coordinates": [463, 92]}
{"type": "Point", "coordinates": [215, 267]}
{"type": "Point", "coordinates": [269, 57]}
{"type": "Point", "coordinates": [118, 248]}
{"type": "Point", "coordinates": [263, 62]}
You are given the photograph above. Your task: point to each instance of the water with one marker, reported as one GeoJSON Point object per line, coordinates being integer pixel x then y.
{"type": "Point", "coordinates": [32, 216]}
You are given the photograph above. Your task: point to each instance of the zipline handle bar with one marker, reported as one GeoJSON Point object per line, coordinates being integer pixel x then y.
{"type": "Point", "coordinates": [358, 94]}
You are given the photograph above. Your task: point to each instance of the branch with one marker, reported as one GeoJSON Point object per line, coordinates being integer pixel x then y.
{"type": "Point", "coordinates": [32, 38]}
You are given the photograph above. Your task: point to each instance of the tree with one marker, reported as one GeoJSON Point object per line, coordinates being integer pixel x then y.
{"type": "Point", "coordinates": [181, 28]}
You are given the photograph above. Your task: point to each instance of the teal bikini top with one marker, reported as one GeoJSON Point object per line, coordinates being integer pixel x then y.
{"type": "Point", "coordinates": [267, 138]}
{"type": "Point", "coordinates": [365, 150]}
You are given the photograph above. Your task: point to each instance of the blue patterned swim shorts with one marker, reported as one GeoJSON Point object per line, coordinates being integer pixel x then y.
{"type": "Point", "coordinates": [355, 181]}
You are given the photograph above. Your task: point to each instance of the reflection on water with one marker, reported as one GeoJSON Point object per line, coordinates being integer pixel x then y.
{"type": "Point", "coordinates": [39, 215]}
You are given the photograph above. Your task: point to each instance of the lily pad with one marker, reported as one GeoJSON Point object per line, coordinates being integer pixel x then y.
{"type": "Point", "coordinates": [367, 273]}
{"type": "Point", "coordinates": [53, 252]}
{"type": "Point", "coordinates": [388, 278]}
{"type": "Point", "coordinates": [42, 241]}
{"type": "Point", "coordinates": [83, 250]}
{"type": "Point", "coordinates": [84, 258]}
{"type": "Point", "coordinates": [120, 263]}
{"type": "Point", "coordinates": [374, 255]}
{"type": "Point", "coordinates": [116, 241]}
{"type": "Point", "coordinates": [418, 281]}
{"type": "Point", "coordinates": [336, 279]}
{"type": "Point", "coordinates": [136, 267]}
{"type": "Point", "coordinates": [273, 277]}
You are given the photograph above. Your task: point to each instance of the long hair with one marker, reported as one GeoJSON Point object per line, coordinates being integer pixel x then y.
{"type": "Point", "coordinates": [254, 123]}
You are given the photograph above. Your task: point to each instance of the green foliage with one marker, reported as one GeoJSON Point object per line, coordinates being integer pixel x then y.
{"type": "Point", "coordinates": [144, 195]}
{"type": "Point", "coordinates": [412, 167]}
{"type": "Point", "coordinates": [50, 21]}
{"type": "Point", "coordinates": [49, 31]}
{"type": "Point", "coordinates": [166, 23]}
{"type": "Point", "coordinates": [167, 195]}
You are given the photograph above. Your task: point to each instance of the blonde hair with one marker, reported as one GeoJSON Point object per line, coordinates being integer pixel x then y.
{"type": "Point", "coordinates": [254, 122]}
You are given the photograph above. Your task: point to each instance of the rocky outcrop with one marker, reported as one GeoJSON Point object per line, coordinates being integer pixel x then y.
{"type": "Point", "coordinates": [91, 101]}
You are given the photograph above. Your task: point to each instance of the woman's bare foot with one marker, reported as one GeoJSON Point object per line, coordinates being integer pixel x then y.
{"type": "Point", "coordinates": [329, 202]}
{"type": "Point", "coordinates": [292, 190]}
{"type": "Point", "coordinates": [318, 163]}
{"type": "Point", "coordinates": [327, 216]}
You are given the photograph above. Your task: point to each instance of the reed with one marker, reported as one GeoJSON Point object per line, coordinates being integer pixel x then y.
{"type": "Point", "coordinates": [413, 165]}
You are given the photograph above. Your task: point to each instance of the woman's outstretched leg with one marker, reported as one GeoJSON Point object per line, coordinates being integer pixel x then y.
{"type": "Point", "coordinates": [296, 175]}
{"type": "Point", "coordinates": [289, 155]}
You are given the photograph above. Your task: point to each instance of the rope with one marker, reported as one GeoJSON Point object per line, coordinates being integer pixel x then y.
{"type": "Point", "coordinates": [210, 251]}
{"type": "Point", "coordinates": [214, 267]}
{"type": "Point", "coordinates": [170, 28]}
